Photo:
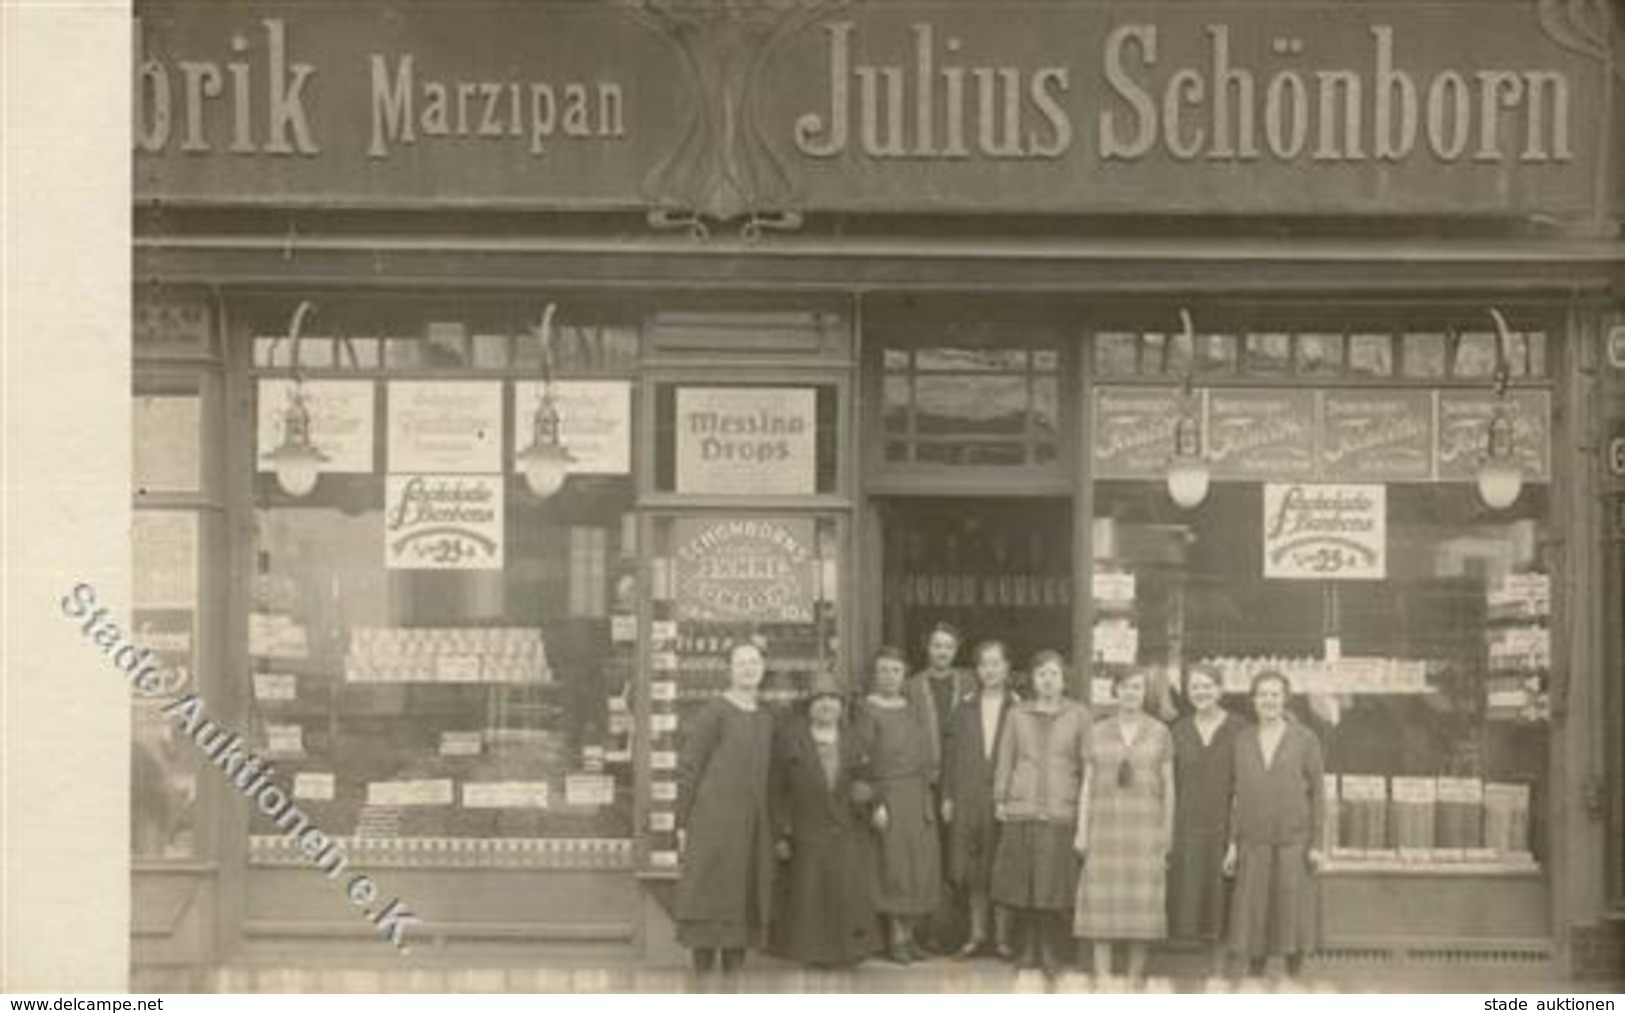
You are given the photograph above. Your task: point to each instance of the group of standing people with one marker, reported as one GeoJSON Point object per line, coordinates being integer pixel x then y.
{"type": "Point", "coordinates": [843, 830]}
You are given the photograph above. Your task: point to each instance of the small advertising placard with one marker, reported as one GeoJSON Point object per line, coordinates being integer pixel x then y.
{"type": "Point", "coordinates": [1261, 434]}
{"type": "Point", "coordinates": [1134, 431]}
{"type": "Point", "coordinates": [341, 414]}
{"type": "Point", "coordinates": [424, 792]}
{"type": "Point", "coordinates": [589, 789]}
{"type": "Point", "coordinates": [747, 441]}
{"type": "Point", "coordinates": [313, 786]}
{"type": "Point", "coordinates": [443, 522]}
{"type": "Point", "coordinates": [269, 687]}
{"type": "Point", "coordinates": [505, 795]}
{"type": "Point", "coordinates": [461, 743]}
{"type": "Point", "coordinates": [438, 426]}
{"type": "Point", "coordinates": [163, 546]}
{"type": "Point", "coordinates": [745, 570]}
{"type": "Point", "coordinates": [1376, 436]}
{"type": "Point", "coordinates": [1325, 532]}
{"type": "Point", "coordinates": [595, 423]}
{"type": "Point", "coordinates": [1464, 425]}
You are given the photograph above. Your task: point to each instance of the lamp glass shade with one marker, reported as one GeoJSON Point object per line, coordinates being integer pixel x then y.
{"type": "Point", "coordinates": [1500, 480]}
{"type": "Point", "coordinates": [298, 466]}
{"type": "Point", "coordinates": [546, 466]}
{"type": "Point", "coordinates": [1188, 479]}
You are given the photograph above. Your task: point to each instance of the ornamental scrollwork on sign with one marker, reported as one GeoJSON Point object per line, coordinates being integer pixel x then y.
{"type": "Point", "coordinates": [724, 166]}
{"type": "Point", "coordinates": [1586, 27]}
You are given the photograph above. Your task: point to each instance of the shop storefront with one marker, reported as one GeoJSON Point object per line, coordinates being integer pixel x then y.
{"type": "Point", "coordinates": [493, 373]}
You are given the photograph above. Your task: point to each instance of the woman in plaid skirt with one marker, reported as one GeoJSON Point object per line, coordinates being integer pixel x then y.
{"type": "Point", "coordinates": [1125, 828]}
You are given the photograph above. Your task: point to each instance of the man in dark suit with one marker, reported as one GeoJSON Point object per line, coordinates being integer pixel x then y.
{"type": "Point", "coordinates": [936, 692]}
{"type": "Point", "coordinates": [970, 745]}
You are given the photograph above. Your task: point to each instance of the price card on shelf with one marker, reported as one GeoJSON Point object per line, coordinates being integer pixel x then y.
{"type": "Point", "coordinates": [461, 743]}
{"type": "Point", "coordinates": [662, 821]}
{"type": "Point", "coordinates": [505, 795]}
{"type": "Point", "coordinates": [271, 687]}
{"type": "Point", "coordinates": [284, 740]}
{"type": "Point", "coordinates": [663, 791]}
{"type": "Point", "coordinates": [618, 756]}
{"type": "Point", "coordinates": [589, 789]}
{"type": "Point", "coordinates": [623, 629]}
{"type": "Point", "coordinates": [664, 630]}
{"type": "Point", "coordinates": [663, 689]}
{"type": "Point", "coordinates": [437, 791]}
{"type": "Point", "coordinates": [663, 759]}
{"type": "Point", "coordinates": [314, 786]}
{"type": "Point", "coordinates": [665, 661]}
{"type": "Point", "coordinates": [662, 723]}
{"type": "Point", "coordinates": [1461, 790]}
{"type": "Point", "coordinates": [663, 859]}
{"type": "Point", "coordinates": [1114, 587]}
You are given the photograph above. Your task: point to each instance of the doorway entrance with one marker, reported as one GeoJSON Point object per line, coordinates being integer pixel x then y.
{"type": "Point", "coordinates": [993, 567]}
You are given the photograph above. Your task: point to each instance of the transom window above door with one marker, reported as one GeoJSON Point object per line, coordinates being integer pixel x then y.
{"type": "Point", "coordinates": [966, 406]}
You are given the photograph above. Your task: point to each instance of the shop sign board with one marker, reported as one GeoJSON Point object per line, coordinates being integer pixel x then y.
{"type": "Point", "coordinates": [341, 421]}
{"type": "Point", "coordinates": [747, 441]}
{"type": "Point", "coordinates": [1261, 434]}
{"type": "Point", "coordinates": [1242, 107]}
{"type": "Point", "coordinates": [756, 570]}
{"type": "Point", "coordinates": [1463, 432]}
{"type": "Point", "coordinates": [1325, 532]}
{"type": "Point", "coordinates": [595, 423]}
{"type": "Point", "coordinates": [437, 426]}
{"type": "Point", "coordinates": [1376, 436]}
{"type": "Point", "coordinates": [443, 522]}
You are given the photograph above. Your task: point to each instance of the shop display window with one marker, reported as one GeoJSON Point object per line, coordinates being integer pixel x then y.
{"type": "Point", "coordinates": [1426, 677]}
{"type": "Point", "coordinates": [971, 406]}
{"type": "Point", "coordinates": [716, 580]}
{"type": "Point", "coordinates": [441, 651]}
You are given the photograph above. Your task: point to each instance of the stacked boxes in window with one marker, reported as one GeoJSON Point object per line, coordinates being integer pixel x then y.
{"type": "Point", "coordinates": [1330, 817]}
{"type": "Point", "coordinates": [1365, 812]}
{"type": "Point", "coordinates": [1506, 818]}
{"type": "Point", "coordinates": [1413, 813]}
{"type": "Point", "coordinates": [1461, 813]}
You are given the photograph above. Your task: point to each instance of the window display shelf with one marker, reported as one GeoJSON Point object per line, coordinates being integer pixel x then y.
{"type": "Point", "coordinates": [441, 852]}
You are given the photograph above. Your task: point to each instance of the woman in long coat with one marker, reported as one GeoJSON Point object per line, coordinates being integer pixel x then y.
{"type": "Point", "coordinates": [1125, 828]}
{"type": "Point", "coordinates": [1274, 834]}
{"type": "Point", "coordinates": [1205, 773]}
{"type": "Point", "coordinates": [822, 806]}
{"type": "Point", "coordinates": [1037, 778]}
{"type": "Point", "coordinates": [895, 734]}
{"type": "Point", "coordinates": [724, 834]}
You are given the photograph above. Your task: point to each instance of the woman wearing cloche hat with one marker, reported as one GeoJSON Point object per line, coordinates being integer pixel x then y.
{"type": "Point", "coordinates": [823, 806]}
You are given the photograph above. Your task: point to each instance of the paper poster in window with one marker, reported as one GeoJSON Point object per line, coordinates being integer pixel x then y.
{"type": "Point", "coordinates": [745, 570]}
{"type": "Point", "coordinates": [163, 546]}
{"type": "Point", "coordinates": [443, 522]}
{"type": "Point", "coordinates": [442, 427]}
{"type": "Point", "coordinates": [1325, 532]}
{"type": "Point", "coordinates": [595, 423]}
{"type": "Point", "coordinates": [747, 441]}
{"type": "Point", "coordinates": [341, 414]}
{"type": "Point", "coordinates": [166, 443]}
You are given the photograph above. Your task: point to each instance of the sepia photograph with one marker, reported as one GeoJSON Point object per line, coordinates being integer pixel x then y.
{"type": "Point", "coordinates": [784, 496]}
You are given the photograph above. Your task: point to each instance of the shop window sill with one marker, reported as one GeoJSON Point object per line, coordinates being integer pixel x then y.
{"type": "Point", "coordinates": [1391, 864]}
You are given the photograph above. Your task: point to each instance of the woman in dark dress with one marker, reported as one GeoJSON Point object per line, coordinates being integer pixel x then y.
{"type": "Point", "coordinates": [1205, 773]}
{"type": "Point", "coordinates": [1275, 833]}
{"type": "Point", "coordinates": [724, 834]}
{"type": "Point", "coordinates": [894, 733]}
{"type": "Point", "coordinates": [822, 806]}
